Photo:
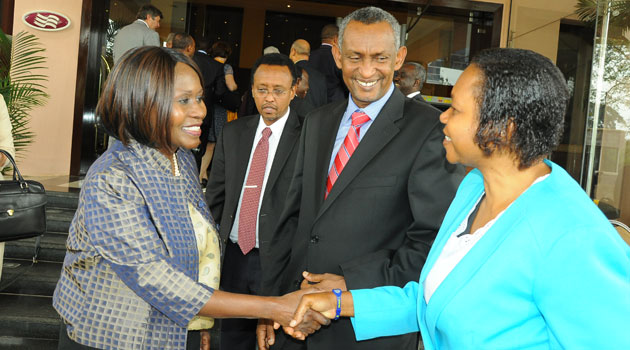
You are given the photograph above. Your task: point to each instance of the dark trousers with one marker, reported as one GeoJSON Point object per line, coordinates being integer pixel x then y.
{"type": "Point", "coordinates": [193, 341]}
{"type": "Point", "coordinates": [240, 274]}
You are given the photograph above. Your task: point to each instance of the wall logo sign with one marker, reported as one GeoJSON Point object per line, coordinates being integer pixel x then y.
{"type": "Point", "coordinates": [46, 20]}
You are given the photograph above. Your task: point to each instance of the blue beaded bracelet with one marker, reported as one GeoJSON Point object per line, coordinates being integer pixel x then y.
{"type": "Point", "coordinates": [337, 293]}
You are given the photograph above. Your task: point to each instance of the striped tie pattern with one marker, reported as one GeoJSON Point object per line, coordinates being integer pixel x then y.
{"type": "Point", "coordinates": [346, 150]}
{"type": "Point", "coordinates": [248, 215]}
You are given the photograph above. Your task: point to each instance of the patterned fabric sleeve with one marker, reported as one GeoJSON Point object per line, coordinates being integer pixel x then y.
{"type": "Point", "coordinates": [227, 69]}
{"type": "Point", "coordinates": [120, 228]}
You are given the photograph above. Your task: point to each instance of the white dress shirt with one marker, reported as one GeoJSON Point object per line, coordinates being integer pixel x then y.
{"type": "Point", "coordinates": [276, 132]}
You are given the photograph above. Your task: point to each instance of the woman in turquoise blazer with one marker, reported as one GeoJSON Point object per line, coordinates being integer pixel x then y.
{"type": "Point", "coordinates": [524, 259]}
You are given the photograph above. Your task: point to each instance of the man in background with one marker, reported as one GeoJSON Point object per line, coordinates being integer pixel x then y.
{"type": "Point", "coordinates": [139, 33]}
{"type": "Point", "coordinates": [317, 92]}
{"type": "Point", "coordinates": [410, 78]}
{"type": "Point", "coordinates": [184, 43]}
{"type": "Point", "coordinates": [300, 103]}
{"type": "Point", "coordinates": [213, 84]}
{"type": "Point", "coordinates": [270, 49]}
{"type": "Point", "coordinates": [322, 60]}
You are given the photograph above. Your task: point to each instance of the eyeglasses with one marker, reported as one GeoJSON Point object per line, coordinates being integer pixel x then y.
{"type": "Point", "coordinates": [277, 93]}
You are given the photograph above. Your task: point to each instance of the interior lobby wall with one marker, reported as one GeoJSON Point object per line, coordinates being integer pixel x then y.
{"type": "Point", "coordinates": [533, 24]}
{"type": "Point", "coordinates": [49, 154]}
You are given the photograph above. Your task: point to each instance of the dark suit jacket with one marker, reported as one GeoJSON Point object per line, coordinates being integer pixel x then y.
{"type": "Point", "coordinates": [381, 216]}
{"type": "Point", "coordinates": [419, 98]}
{"type": "Point", "coordinates": [227, 176]}
{"type": "Point", "coordinates": [322, 60]}
{"type": "Point", "coordinates": [317, 94]}
{"type": "Point", "coordinates": [213, 83]}
{"type": "Point", "coordinates": [302, 106]}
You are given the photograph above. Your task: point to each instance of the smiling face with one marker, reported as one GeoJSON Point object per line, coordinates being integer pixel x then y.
{"type": "Point", "coordinates": [188, 108]}
{"type": "Point", "coordinates": [368, 60]}
{"type": "Point", "coordinates": [272, 91]}
{"type": "Point", "coordinates": [461, 120]}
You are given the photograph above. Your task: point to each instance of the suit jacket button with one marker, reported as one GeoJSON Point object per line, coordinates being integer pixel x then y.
{"type": "Point", "coordinates": [297, 283]}
{"type": "Point", "coordinates": [314, 239]}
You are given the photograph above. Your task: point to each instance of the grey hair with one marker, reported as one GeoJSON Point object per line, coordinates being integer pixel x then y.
{"type": "Point", "coordinates": [371, 15]}
{"type": "Point", "coordinates": [418, 71]}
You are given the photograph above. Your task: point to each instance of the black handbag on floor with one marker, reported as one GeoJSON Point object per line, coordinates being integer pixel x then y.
{"type": "Point", "coordinates": [22, 206]}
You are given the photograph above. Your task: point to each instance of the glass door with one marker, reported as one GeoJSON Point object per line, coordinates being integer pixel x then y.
{"type": "Point", "coordinates": [606, 176]}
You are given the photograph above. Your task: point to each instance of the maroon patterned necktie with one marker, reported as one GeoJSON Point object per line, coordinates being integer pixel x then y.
{"type": "Point", "coordinates": [346, 150]}
{"type": "Point", "coordinates": [251, 194]}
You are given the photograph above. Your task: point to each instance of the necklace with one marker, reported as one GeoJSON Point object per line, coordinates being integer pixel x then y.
{"type": "Point", "coordinates": [175, 165]}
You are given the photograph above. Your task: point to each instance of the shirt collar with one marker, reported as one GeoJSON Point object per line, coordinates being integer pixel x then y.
{"type": "Point", "coordinates": [277, 127]}
{"type": "Point", "coordinates": [145, 23]}
{"type": "Point", "coordinates": [374, 108]}
{"type": "Point", "coordinates": [413, 94]}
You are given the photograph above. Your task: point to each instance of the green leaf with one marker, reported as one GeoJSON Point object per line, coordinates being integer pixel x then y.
{"type": "Point", "coordinates": [21, 61]}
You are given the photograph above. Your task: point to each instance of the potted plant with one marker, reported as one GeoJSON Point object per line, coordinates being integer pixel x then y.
{"type": "Point", "coordinates": [21, 62]}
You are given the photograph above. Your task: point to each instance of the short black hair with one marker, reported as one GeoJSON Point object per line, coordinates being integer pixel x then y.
{"type": "Point", "coordinates": [136, 102]}
{"type": "Point", "coordinates": [329, 31]}
{"type": "Point", "coordinates": [525, 89]}
{"type": "Point", "coordinates": [148, 10]}
{"type": "Point", "coordinates": [181, 41]}
{"type": "Point", "coordinates": [275, 59]}
{"type": "Point", "coordinates": [220, 49]}
{"type": "Point", "coordinates": [203, 44]}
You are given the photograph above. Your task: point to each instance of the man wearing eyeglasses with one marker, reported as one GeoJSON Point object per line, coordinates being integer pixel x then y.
{"type": "Point", "coordinates": [248, 183]}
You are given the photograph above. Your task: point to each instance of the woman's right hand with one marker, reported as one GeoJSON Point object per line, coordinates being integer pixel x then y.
{"type": "Point", "coordinates": [324, 303]}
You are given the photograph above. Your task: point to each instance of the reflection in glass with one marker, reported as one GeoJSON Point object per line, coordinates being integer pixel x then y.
{"type": "Point", "coordinates": [608, 130]}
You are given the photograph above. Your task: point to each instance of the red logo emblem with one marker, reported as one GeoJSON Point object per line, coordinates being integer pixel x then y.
{"type": "Point", "coordinates": [46, 20]}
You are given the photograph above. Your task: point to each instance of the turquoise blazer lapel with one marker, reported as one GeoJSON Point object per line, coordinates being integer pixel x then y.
{"type": "Point", "coordinates": [470, 189]}
{"type": "Point", "coordinates": [470, 264]}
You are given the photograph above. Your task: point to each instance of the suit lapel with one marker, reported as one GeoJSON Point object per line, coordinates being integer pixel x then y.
{"type": "Point", "coordinates": [242, 150]}
{"type": "Point", "coordinates": [288, 141]}
{"type": "Point", "coordinates": [380, 133]}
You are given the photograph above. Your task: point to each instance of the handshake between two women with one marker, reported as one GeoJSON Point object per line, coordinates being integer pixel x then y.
{"type": "Point", "coordinates": [305, 311]}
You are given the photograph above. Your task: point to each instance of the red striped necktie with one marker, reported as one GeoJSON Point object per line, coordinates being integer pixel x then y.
{"type": "Point", "coordinates": [251, 194]}
{"type": "Point", "coordinates": [346, 150]}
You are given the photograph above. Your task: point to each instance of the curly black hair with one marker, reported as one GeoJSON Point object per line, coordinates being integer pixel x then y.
{"type": "Point", "coordinates": [523, 95]}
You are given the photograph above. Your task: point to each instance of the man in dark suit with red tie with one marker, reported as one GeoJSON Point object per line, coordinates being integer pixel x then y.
{"type": "Point", "coordinates": [370, 188]}
{"type": "Point", "coordinates": [248, 183]}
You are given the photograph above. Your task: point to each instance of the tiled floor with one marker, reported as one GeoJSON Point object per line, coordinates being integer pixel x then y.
{"type": "Point", "coordinates": [59, 183]}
